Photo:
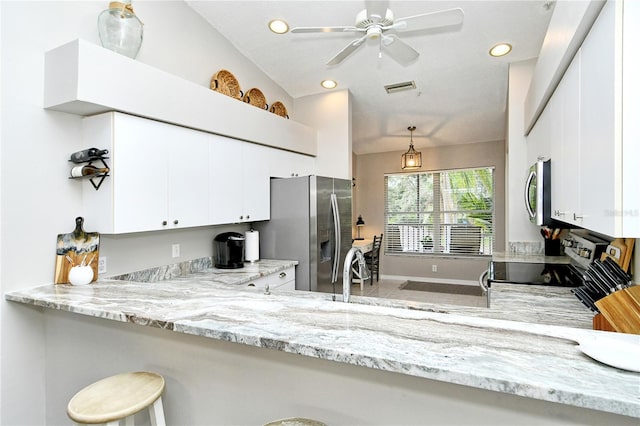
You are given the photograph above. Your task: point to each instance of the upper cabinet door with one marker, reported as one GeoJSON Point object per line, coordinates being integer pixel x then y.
{"type": "Point", "coordinates": [188, 177]}
{"type": "Point", "coordinates": [239, 181]}
{"type": "Point", "coordinates": [140, 175]}
{"type": "Point", "coordinates": [597, 125]}
{"type": "Point", "coordinates": [225, 180]}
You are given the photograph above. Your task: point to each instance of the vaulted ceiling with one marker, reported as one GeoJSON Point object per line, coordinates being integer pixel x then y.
{"type": "Point", "coordinates": [461, 91]}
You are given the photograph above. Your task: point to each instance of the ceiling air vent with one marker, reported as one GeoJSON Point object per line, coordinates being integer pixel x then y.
{"type": "Point", "coordinates": [400, 87]}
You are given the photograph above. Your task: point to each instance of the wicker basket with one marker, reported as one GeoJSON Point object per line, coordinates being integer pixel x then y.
{"type": "Point", "coordinates": [278, 108]}
{"type": "Point", "coordinates": [224, 82]}
{"type": "Point", "coordinates": [256, 98]}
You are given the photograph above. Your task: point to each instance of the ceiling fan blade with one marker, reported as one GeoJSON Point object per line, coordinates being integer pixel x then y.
{"type": "Point", "coordinates": [348, 50]}
{"type": "Point", "coordinates": [376, 9]}
{"type": "Point", "coordinates": [442, 18]}
{"type": "Point", "coordinates": [399, 50]}
{"type": "Point", "coordinates": [325, 29]}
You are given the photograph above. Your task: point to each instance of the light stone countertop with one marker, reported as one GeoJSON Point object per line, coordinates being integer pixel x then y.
{"type": "Point", "coordinates": [510, 348]}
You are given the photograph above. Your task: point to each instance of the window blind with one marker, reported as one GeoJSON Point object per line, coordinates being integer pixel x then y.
{"type": "Point", "coordinates": [446, 212]}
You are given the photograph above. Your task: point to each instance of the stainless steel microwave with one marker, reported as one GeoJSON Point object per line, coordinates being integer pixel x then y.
{"type": "Point", "coordinates": [537, 192]}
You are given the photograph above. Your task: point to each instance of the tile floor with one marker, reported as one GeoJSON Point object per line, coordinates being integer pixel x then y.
{"type": "Point", "coordinates": [389, 289]}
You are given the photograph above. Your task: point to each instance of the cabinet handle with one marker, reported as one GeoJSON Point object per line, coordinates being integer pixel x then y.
{"type": "Point", "coordinates": [164, 223]}
{"type": "Point", "coordinates": [175, 222]}
{"type": "Point", "coordinates": [251, 285]}
{"type": "Point", "coordinates": [577, 216]}
{"type": "Point", "coordinates": [283, 274]}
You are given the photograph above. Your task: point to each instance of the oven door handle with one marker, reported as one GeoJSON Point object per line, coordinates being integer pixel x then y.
{"type": "Point", "coordinates": [482, 281]}
{"type": "Point", "coordinates": [484, 285]}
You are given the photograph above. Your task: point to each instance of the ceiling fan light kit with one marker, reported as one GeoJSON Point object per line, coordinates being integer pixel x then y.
{"type": "Point", "coordinates": [376, 20]}
{"type": "Point", "coordinates": [411, 159]}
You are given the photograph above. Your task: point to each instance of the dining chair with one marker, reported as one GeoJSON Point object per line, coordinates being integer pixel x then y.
{"type": "Point", "coordinates": [373, 258]}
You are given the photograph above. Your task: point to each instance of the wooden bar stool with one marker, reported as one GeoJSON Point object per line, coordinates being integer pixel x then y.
{"type": "Point", "coordinates": [119, 397]}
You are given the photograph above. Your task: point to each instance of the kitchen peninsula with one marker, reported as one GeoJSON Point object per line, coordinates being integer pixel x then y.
{"type": "Point", "coordinates": [472, 347]}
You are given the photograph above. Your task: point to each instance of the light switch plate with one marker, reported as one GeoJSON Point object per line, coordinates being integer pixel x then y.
{"type": "Point", "coordinates": [175, 250]}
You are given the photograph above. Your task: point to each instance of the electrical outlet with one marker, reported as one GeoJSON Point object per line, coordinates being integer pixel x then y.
{"type": "Point", "coordinates": [175, 250]}
{"type": "Point", "coordinates": [434, 268]}
{"type": "Point", "coordinates": [102, 264]}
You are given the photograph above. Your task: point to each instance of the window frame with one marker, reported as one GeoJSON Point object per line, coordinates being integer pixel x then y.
{"type": "Point", "coordinates": [395, 246]}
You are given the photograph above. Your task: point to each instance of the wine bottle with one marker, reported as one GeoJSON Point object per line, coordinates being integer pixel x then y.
{"type": "Point", "coordinates": [80, 171]}
{"type": "Point", "coordinates": [87, 155]}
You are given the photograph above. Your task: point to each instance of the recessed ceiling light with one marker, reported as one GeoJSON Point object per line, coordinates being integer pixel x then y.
{"type": "Point", "coordinates": [278, 26]}
{"type": "Point", "coordinates": [329, 84]}
{"type": "Point", "coordinates": [500, 49]}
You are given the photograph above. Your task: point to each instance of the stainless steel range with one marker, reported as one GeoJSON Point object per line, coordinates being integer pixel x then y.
{"type": "Point", "coordinates": [583, 247]}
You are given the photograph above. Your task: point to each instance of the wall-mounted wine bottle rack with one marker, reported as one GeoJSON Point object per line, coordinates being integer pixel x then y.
{"type": "Point", "coordinates": [97, 177]}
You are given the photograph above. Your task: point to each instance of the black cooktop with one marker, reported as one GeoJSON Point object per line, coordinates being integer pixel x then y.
{"type": "Point", "coordinates": [550, 274]}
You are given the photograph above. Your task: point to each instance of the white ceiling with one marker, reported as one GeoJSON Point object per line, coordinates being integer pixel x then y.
{"type": "Point", "coordinates": [461, 91]}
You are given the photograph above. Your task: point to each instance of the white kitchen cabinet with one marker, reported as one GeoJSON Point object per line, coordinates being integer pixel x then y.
{"type": "Point", "coordinates": [285, 164]}
{"type": "Point", "coordinates": [283, 280]}
{"type": "Point", "coordinates": [565, 145]}
{"type": "Point", "coordinates": [597, 171]}
{"type": "Point", "coordinates": [158, 178]}
{"type": "Point", "coordinates": [238, 181]}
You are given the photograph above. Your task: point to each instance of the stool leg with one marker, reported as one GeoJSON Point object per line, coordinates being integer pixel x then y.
{"type": "Point", "coordinates": [130, 421]}
{"type": "Point", "coordinates": [156, 413]}
{"type": "Point", "coordinates": [115, 423]}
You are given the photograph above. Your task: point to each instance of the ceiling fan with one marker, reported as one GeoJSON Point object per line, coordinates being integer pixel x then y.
{"type": "Point", "coordinates": [376, 20]}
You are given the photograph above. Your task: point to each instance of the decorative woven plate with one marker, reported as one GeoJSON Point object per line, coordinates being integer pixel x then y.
{"type": "Point", "coordinates": [278, 108]}
{"type": "Point", "coordinates": [224, 82]}
{"type": "Point", "coordinates": [256, 98]}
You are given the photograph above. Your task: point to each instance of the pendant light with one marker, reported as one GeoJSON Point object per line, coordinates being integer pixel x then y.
{"type": "Point", "coordinates": [411, 159]}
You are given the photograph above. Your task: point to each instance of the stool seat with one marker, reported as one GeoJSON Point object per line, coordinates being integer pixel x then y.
{"type": "Point", "coordinates": [115, 397]}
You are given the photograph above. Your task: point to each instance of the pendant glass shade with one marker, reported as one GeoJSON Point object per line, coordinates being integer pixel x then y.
{"type": "Point", "coordinates": [411, 159]}
{"type": "Point", "coordinates": [120, 29]}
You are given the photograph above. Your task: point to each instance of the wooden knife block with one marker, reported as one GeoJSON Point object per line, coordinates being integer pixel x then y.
{"type": "Point", "coordinates": [619, 311]}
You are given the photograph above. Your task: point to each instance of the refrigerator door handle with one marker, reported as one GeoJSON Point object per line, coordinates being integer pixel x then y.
{"type": "Point", "coordinates": [336, 246]}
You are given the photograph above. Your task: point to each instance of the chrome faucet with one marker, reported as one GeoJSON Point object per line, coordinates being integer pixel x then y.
{"type": "Point", "coordinates": [363, 271]}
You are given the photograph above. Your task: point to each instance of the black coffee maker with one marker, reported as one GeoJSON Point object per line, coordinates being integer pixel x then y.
{"type": "Point", "coordinates": [228, 249]}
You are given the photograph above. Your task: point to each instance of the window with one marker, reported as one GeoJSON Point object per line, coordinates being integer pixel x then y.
{"type": "Point", "coordinates": [447, 212]}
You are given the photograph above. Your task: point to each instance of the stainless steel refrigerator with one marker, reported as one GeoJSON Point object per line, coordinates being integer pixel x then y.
{"type": "Point", "coordinates": [311, 223]}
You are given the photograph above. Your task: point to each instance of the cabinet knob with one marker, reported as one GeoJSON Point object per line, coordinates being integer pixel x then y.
{"type": "Point", "coordinates": [175, 222]}
{"type": "Point", "coordinates": [283, 274]}
{"type": "Point", "coordinates": [241, 217]}
{"type": "Point", "coordinates": [164, 223]}
{"type": "Point", "coordinates": [248, 217]}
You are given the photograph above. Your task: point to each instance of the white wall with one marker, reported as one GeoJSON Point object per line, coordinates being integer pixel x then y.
{"type": "Point", "coordinates": [37, 201]}
{"type": "Point", "coordinates": [330, 114]}
{"type": "Point", "coordinates": [518, 226]}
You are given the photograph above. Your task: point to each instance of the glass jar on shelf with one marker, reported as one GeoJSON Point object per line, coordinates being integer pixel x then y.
{"type": "Point", "coordinates": [120, 29]}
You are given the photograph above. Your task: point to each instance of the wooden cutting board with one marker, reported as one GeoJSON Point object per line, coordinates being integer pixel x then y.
{"type": "Point", "coordinates": [79, 246]}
